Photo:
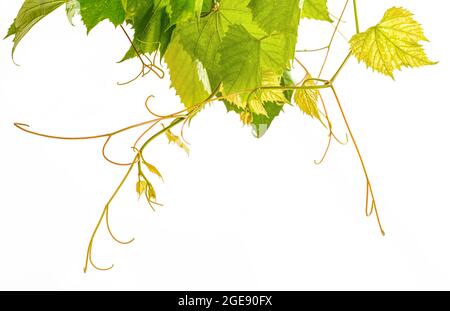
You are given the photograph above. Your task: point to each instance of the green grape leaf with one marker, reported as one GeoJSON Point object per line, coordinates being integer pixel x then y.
{"type": "Point", "coordinates": [280, 16]}
{"type": "Point", "coordinates": [391, 44]}
{"type": "Point", "coordinates": [306, 99]}
{"type": "Point", "coordinates": [202, 38]}
{"type": "Point", "coordinates": [188, 76]}
{"type": "Point", "coordinates": [133, 8]}
{"type": "Point", "coordinates": [316, 9]}
{"type": "Point", "coordinates": [207, 5]}
{"type": "Point", "coordinates": [183, 10]}
{"type": "Point", "coordinates": [240, 61]}
{"type": "Point", "coordinates": [93, 12]}
{"type": "Point", "coordinates": [31, 12]}
{"type": "Point", "coordinates": [245, 59]}
{"type": "Point", "coordinates": [151, 24]}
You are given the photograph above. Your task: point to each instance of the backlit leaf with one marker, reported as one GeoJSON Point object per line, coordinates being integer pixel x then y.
{"type": "Point", "coordinates": [306, 99]}
{"type": "Point", "coordinates": [202, 38]}
{"type": "Point", "coordinates": [188, 76]}
{"type": "Point", "coordinates": [256, 104]}
{"type": "Point", "coordinates": [245, 58]}
{"type": "Point", "coordinates": [184, 10]}
{"type": "Point", "coordinates": [391, 44]}
{"type": "Point", "coordinates": [316, 9]}
{"type": "Point", "coordinates": [280, 16]}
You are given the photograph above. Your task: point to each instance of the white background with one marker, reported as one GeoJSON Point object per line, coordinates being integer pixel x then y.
{"type": "Point", "coordinates": [240, 213]}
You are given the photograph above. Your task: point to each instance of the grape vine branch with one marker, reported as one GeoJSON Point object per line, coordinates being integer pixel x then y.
{"type": "Point", "coordinates": [236, 52]}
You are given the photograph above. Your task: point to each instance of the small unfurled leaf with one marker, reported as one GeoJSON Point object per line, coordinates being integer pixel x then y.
{"type": "Point", "coordinates": [150, 193]}
{"type": "Point", "coordinates": [144, 187]}
{"type": "Point", "coordinates": [141, 187]}
{"type": "Point", "coordinates": [316, 9]}
{"type": "Point", "coordinates": [391, 44]}
{"type": "Point", "coordinates": [153, 169]}
{"type": "Point", "coordinates": [176, 140]}
{"type": "Point", "coordinates": [306, 99]}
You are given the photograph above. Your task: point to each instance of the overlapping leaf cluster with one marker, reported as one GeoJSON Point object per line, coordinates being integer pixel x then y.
{"type": "Point", "coordinates": [240, 49]}
{"type": "Point", "coordinates": [232, 46]}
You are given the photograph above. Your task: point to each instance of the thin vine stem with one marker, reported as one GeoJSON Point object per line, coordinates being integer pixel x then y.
{"type": "Point", "coordinates": [138, 159]}
{"type": "Point", "coordinates": [99, 222]}
{"type": "Point", "coordinates": [340, 68]}
{"type": "Point", "coordinates": [105, 212]}
{"type": "Point", "coordinates": [312, 50]}
{"type": "Point", "coordinates": [332, 39]}
{"type": "Point", "coordinates": [369, 190]}
{"type": "Point", "coordinates": [25, 127]}
{"type": "Point", "coordinates": [355, 12]}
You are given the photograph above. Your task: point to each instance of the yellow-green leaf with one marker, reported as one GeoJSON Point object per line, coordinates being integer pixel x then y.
{"type": "Point", "coordinates": [315, 9]}
{"type": "Point", "coordinates": [188, 76]}
{"type": "Point", "coordinates": [257, 102]}
{"type": "Point", "coordinates": [141, 186]}
{"type": "Point", "coordinates": [150, 193]}
{"type": "Point", "coordinates": [153, 169]}
{"type": "Point", "coordinates": [306, 99]}
{"type": "Point", "coordinates": [270, 78]}
{"type": "Point", "coordinates": [391, 44]}
{"type": "Point", "coordinates": [176, 140]}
